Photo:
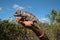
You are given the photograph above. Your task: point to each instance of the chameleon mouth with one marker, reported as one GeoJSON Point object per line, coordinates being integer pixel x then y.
{"type": "Point", "coordinates": [16, 15]}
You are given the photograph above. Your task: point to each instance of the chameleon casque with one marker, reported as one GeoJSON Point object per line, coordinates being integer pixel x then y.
{"type": "Point", "coordinates": [26, 16]}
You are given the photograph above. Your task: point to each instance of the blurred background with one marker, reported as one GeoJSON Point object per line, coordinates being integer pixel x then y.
{"type": "Point", "coordinates": [47, 11]}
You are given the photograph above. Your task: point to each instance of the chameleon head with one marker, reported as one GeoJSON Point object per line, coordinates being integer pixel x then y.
{"type": "Point", "coordinates": [19, 13]}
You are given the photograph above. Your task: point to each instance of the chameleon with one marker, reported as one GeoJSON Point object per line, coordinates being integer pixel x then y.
{"type": "Point", "coordinates": [27, 16]}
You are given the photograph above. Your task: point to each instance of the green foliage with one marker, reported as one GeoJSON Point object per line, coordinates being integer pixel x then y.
{"type": "Point", "coordinates": [54, 16]}
{"type": "Point", "coordinates": [52, 29]}
{"type": "Point", "coordinates": [10, 31]}
{"type": "Point", "coordinates": [13, 31]}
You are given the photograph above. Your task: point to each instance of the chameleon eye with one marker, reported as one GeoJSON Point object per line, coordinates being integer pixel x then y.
{"type": "Point", "coordinates": [16, 13]}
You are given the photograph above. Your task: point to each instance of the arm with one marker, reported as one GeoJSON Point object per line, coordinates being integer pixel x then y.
{"type": "Point", "coordinates": [41, 26]}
